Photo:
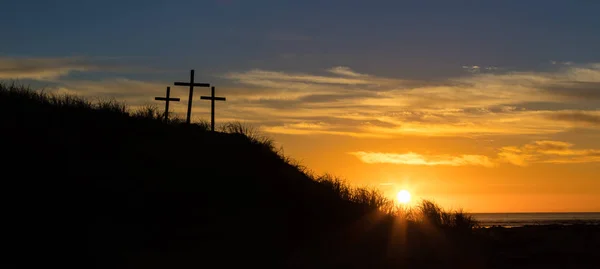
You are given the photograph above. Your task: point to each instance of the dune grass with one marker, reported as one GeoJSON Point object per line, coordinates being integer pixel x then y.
{"type": "Point", "coordinates": [116, 152]}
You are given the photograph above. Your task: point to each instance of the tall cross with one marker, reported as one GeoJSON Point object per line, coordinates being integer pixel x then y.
{"type": "Point", "coordinates": [191, 84]}
{"type": "Point", "coordinates": [167, 99]}
{"type": "Point", "coordinates": [212, 99]}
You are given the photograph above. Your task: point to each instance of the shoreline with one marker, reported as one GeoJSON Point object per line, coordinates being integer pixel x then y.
{"type": "Point", "coordinates": [485, 225]}
{"type": "Point", "coordinates": [529, 225]}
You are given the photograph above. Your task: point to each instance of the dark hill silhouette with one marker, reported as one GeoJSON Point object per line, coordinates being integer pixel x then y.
{"type": "Point", "coordinates": [93, 185]}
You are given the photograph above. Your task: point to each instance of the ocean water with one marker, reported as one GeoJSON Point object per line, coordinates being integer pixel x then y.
{"type": "Point", "coordinates": [521, 219]}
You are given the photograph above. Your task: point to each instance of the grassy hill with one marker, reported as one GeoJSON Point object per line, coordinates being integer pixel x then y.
{"type": "Point", "coordinates": [94, 185]}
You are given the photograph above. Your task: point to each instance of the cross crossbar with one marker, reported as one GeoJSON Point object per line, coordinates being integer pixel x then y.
{"type": "Point", "coordinates": [192, 85]}
{"type": "Point", "coordinates": [212, 99]}
{"type": "Point", "coordinates": [195, 84]}
{"type": "Point", "coordinates": [167, 98]}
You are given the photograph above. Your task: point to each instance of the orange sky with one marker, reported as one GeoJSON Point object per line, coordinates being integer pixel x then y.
{"type": "Point", "coordinates": [504, 188]}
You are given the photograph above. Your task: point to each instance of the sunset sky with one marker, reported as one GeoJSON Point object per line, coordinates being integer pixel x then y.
{"type": "Point", "coordinates": [490, 106]}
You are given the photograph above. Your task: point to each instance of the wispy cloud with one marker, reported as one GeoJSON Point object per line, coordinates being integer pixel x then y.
{"type": "Point", "coordinates": [307, 128]}
{"type": "Point", "coordinates": [547, 151]}
{"type": "Point", "coordinates": [41, 68]}
{"type": "Point", "coordinates": [131, 91]}
{"type": "Point", "coordinates": [542, 151]}
{"type": "Point", "coordinates": [577, 118]}
{"type": "Point", "coordinates": [53, 68]}
{"type": "Point", "coordinates": [270, 78]}
{"type": "Point", "coordinates": [479, 69]}
{"type": "Point", "coordinates": [412, 158]}
{"type": "Point", "coordinates": [345, 71]}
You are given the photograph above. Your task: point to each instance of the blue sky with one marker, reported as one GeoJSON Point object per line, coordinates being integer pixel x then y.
{"type": "Point", "coordinates": [391, 38]}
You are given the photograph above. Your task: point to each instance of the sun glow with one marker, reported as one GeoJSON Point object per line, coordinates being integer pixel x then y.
{"type": "Point", "coordinates": [403, 197]}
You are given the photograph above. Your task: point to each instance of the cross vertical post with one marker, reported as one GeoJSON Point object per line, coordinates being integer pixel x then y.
{"type": "Point", "coordinates": [167, 99]}
{"type": "Point", "coordinates": [191, 84]}
{"type": "Point", "coordinates": [212, 99]}
{"type": "Point", "coordinates": [189, 111]}
{"type": "Point", "coordinates": [212, 108]}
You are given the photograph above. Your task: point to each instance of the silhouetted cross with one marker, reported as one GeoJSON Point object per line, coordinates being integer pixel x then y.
{"type": "Point", "coordinates": [167, 99]}
{"type": "Point", "coordinates": [191, 84]}
{"type": "Point", "coordinates": [212, 99]}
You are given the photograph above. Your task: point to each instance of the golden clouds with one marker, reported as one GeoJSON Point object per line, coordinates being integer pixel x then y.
{"type": "Point", "coordinates": [547, 152]}
{"type": "Point", "coordinates": [577, 118]}
{"type": "Point", "coordinates": [291, 80]}
{"type": "Point", "coordinates": [40, 68]}
{"type": "Point", "coordinates": [345, 71]}
{"type": "Point", "coordinates": [542, 151]}
{"type": "Point", "coordinates": [412, 158]}
{"type": "Point", "coordinates": [53, 68]}
{"type": "Point", "coordinates": [509, 103]}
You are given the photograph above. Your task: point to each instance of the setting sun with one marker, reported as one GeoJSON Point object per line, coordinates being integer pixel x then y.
{"type": "Point", "coordinates": [403, 197]}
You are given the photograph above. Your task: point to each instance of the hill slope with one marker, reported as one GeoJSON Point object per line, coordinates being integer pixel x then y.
{"type": "Point", "coordinates": [93, 185]}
